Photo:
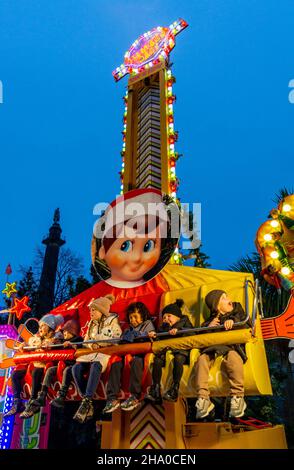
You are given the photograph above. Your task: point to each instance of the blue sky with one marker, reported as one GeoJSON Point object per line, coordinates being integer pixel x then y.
{"type": "Point", "coordinates": [61, 119]}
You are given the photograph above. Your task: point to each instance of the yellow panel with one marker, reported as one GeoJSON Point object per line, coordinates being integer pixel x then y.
{"type": "Point", "coordinates": [222, 436]}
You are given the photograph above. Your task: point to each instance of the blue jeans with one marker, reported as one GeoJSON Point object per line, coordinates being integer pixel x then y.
{"type": "Point", "coordinates": [87, 388]}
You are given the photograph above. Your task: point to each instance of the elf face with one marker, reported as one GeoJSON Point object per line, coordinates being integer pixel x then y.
{"type": "Point", "coordinates": [170, 319]}
{"type": "Point", "coordinates": [225, 304]}
{"type": "Point", "coordinates": [129, 258]}
{"type": "Point", "coordinates": [95, 314]}
{"type": "Point", "coordinates": [135, 319]}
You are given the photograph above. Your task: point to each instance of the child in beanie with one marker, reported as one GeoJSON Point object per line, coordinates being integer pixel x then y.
{"type": "Point", "coordinates": [43, 339]}
{"type": "Point", "coordinates": [140, 325]}
{"type": "Point", "coordinates": [103, 325]}
{"type": "Point", "coordinates": [173, 321]}
{"type": "Point", "coordinates": [70, 335]}
{"type": "Point", "coordinates": [223, 311]}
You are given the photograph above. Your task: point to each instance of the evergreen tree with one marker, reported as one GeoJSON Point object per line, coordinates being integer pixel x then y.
{"type": "Point", "coordinates": [94, 275]}
{"type": "Point", "coordinates": [274, 302]}
{"type": "Point", "coordinates": [195, 253]}
{"type": "Point", "coordinates": [28, 286]}
{"type": "Point", "coordinates": [77, 286]}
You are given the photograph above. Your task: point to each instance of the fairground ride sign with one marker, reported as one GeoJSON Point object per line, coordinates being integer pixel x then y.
{"type": "Point", "coordinates": [149, 49]}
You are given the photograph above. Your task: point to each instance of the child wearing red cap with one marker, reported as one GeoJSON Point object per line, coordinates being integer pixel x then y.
{"type": "Point", "coordinates": [223, 312]}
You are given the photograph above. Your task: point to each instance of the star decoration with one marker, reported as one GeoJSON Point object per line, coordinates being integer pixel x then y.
{"type": "Point", "coordinates": [10, 289]}
{"type": "Point", "coordinates": [20, 306]}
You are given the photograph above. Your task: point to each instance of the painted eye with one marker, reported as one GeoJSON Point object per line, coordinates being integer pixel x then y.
{"type": "Point", "coordinates": [149, 246]}
{"type": "Point", "coordinates": [126, 246]}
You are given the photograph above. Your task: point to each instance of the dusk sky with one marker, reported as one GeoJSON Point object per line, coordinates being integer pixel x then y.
{"type": "Point", "coordinates": [61, 116]}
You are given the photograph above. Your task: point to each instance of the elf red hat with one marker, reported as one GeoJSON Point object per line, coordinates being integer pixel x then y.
{"type": "Point", "coordinates": [134, 206]}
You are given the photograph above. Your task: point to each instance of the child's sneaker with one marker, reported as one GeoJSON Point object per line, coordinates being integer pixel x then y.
{"type": "Point", "coordinates": [154, 394]}
{"type": "Point", "coordinates": [203, 406]}
{"type": "Point", "coordinates": [41, 399]}
{"type": "Point", "coordinates": [85, 410]}
{"type": "Point", "coordinates": [130, 404]}
{"type": "Point", "coordinates": [238, 407]}
{"type": "Point", "coordinates": [30, 410]}
{"type": "Point", "coordinates": [172, 393]}
{"type": "Point", "coordinates": [110, 406]}
{"type": "Point", "coordinates": [59, 401]}
{"type": "Point", "coordinates": [17, 407]}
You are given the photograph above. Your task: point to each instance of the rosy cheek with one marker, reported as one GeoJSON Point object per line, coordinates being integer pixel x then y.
{"type": "Point", "coordinates": [151, 259]}
{"type": "Point", "coordinates": [115, 260]}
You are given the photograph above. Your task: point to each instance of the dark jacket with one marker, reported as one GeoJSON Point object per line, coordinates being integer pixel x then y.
{"type": "Point", "coordinates": [182, 324]}
{"type": "Point", "coordinates": [237, 315]}
{"type": "Point", "coordinates": [140, 332]}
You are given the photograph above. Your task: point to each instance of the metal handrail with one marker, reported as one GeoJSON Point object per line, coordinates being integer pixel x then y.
{"type": "Point", "coordinates": [255, 306]}
{"type": "Point", "coordinates": [221, 327]}
{"type": "Point", "coordinates": [194, 330]}
{"type": "Point", "coordinates": [260, 302]}
{"type": "Point", "coordinates": [203, 329]}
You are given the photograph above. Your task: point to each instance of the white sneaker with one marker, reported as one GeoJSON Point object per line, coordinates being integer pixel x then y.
{"type": "Point", "coordinates": [204, 406]}
{"type": "Point", "coordinates": [238, 407]}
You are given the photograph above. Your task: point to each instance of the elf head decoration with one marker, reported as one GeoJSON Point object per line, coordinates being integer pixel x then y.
{"type": "Point", "coordinates": [135, 237]}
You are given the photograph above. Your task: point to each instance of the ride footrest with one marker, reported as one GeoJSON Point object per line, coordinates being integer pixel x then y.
{"type": "Point", "coordinates": [254, 423]}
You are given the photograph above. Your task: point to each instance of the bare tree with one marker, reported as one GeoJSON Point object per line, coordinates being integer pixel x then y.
{"type": "Point", "coordinates": [69, 268]}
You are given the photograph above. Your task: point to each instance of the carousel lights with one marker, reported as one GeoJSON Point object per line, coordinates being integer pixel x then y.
{"type": "Point", "coordinates": [286, 208]}
{"type": "Point", "coordinates": [274, 223]}
{"type": "Point", "coordinates": [274, 254]}
{"type": "Point", "coordinates": [123, 151]}
{"type": "Point", "coordinates": [285, 270]}
{"type": "Point", "coordinates": [149, 49]}
{"type": "Point", "coordinates": [172, 138]}
{"type": "Point", "coordinates": [268, 237]}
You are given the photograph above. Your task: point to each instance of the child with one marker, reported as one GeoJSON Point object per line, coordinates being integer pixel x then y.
{"type": "Point", "coordinates": [43, 339]}
{"type": "Point", "coordinates": [140, 325]}
{"type": "Point", "coordinates": [103, 325]}
{"type": "Point", "coordinates": [70, 335]}
{"type": "Point", "coordinates": [223, 312]}
{"type": "Point", "coordinates": [173, 321]}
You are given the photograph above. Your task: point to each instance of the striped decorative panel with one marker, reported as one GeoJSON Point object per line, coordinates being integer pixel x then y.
{"type": "Point", "coordinates": [147, 427]}
{"type": "Point", "coordinates": [148, 168]}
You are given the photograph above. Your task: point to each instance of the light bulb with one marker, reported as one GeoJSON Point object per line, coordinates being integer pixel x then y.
{"type": "Point", "coordinates": [267, 237]}
{"type": "Point", "coordinates": [285, 270]}
{"type": "Point", "coordinates": [286, 208]}
{"type": "Point", "coordinates": [274, 254]}
{"type": "Point", "coordinates": [274, 223]}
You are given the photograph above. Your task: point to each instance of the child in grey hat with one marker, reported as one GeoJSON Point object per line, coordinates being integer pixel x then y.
{"type": "Point", "coordinates": [43, 339]}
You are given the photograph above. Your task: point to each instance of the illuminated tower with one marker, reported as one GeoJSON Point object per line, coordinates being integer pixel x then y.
{"type": "Point", "coordinates": [148, 153]}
